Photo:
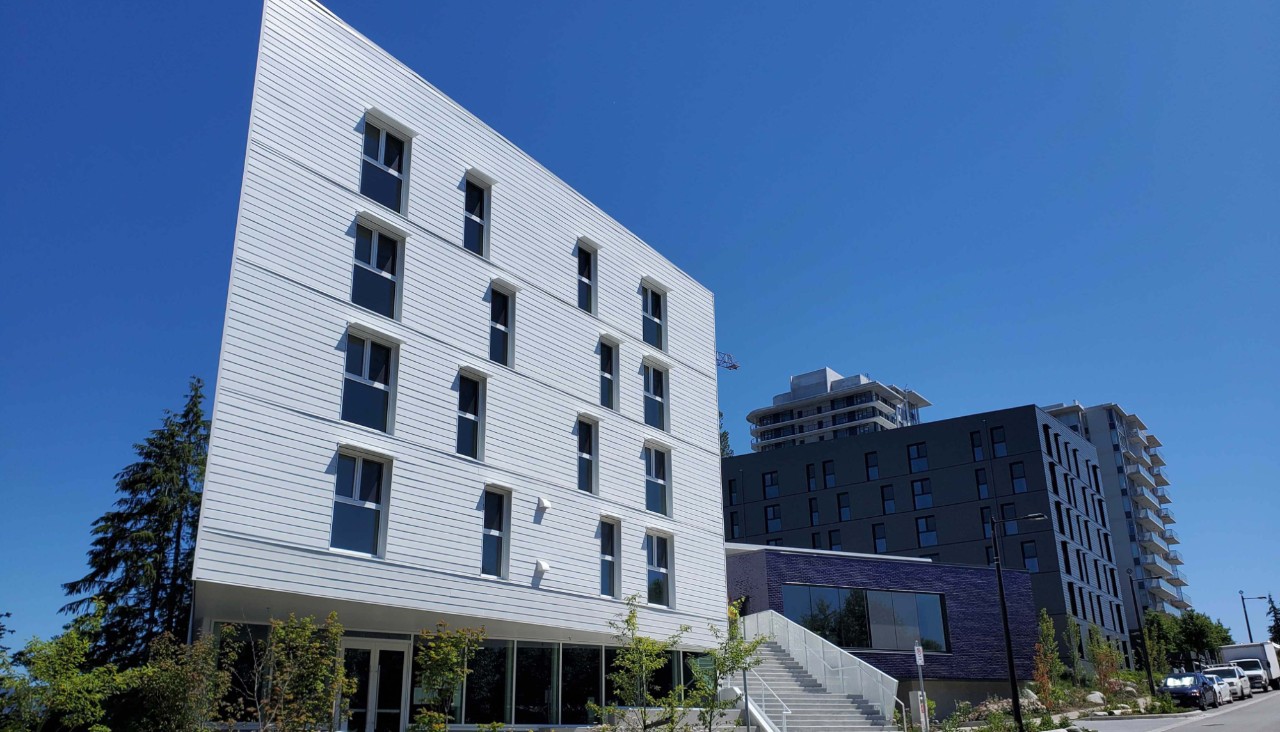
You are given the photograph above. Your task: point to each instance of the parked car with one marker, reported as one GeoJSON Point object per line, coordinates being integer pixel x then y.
{"type": "Point", "coordinates": [1258, 677]}
{"type": "Point", "coordinates": [1234, 677]}
{"type": "Point", "coordinates": [1191, 689]}
{"type": "Point", "coordinates": [1266, 653]}
{"type": "Point", "coordinates": [1220, 689]}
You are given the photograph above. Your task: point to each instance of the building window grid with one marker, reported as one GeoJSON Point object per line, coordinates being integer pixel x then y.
{"type": "Point", "coordinates": [842, 504]}
{"type": "Point", "coordinates": [918, 457]}
{"type": "Point", "coordinates": [772, 518]}
{"type": "Point", "coordinates": [922, 493]}
{"type": "Point", "coordinates": [609, 559]}
{"type": "Point", "coordinates": [587, 464]}
{"type": "Point", "coordinates": [657, 489]}
{"type": "Point", "coordinates": [998, 447]}
{"type": "Point", "coordinates": [828, 474]}
{"type": "Point", "coordinates": [811, 477]}
{"type": "Point", "coordinates": [769, 484]}
{"type": "Point", "coordinates": [1018, 475]}
{"type": "Point", "coordinates": [470, 417]}
{"type": "Point", "coordinates": [608, 375]}
{"type": "Point", "coordinates": [1030, 560]}
{"type": "Point", "coordinates": [495, 534]}
{"type": "Point", "coordinates": [366, 398]}
{"type": "Point", "coordinates": [501, 305]}
{"type": "Point", "coordinates": [872, 462]}
{"type": "Point", "coordinates": [654, 304]}
{"type": "Point", "coordinates": [980, 478]}
{"type": "Point", "coordinates": [655, 395]}
{"type": "Point", "coordinates": [475, 218]}
{"type": "Point", "coordinates": [359, 503]}
{"type": "Point", "coordinates": [383, 158]}
{"type": "Point", "coordinates": [375, 276]}
{"type": "Point", "coordinates": [887, 504]}
{"type": "Point", "coordinates": [927, 531]}
{"type": "Point", "coordinates": [879, 539]}
{"type": "Point", "coordinates": [975, 443]}
{"type": "Point", "coordinates": [833, 540]}
{"type": "Point", "coordinates": [658, 563]}
{"type": "Point", "coordinates": [586, 278]}
{"type": "Point", "coordinates": [815, 517]}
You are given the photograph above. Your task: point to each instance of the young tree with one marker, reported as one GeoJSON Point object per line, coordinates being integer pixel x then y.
{"type": "Point", "coordinates": [184, 688]}
{"type": "Point", "coordinates": [1160, 633]}
{"type": "Point", "coordinates": [1106, 659]}
{"type": "Point", "coordinates": [725, 449]}
{"type": "Point", "coordinates": [1072, 638]}
{"type": "Point", "coordinates": [295, 678]}
{"type": "Point", "coordinates": [635, 666]}
{"type": "Point", "coordinates": [1048, 666]}
{"type": "Point", "coordinates": [443, 662]}
{"type": "Point", "coordinates": [1273, 612]}
{"type": "Point", "coordinates": [732, 655]}
{"type": "Point", "coordinates": [140, 558]}
{"type": "Point", "coordinates": [4, 630]}
{"type": "Point", "coordinates": [1199, 637]}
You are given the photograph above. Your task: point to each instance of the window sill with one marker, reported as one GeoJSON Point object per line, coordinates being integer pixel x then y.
{"type": "Point", "coordinates": [355, 555]}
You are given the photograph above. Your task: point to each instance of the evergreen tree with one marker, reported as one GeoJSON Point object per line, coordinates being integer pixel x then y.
{"type": "Point", "coordinates": [4, 630]}
{"type": "Point", "coordinates": [1273, 612]}
{"type": "Point", "coordinates": [140, 558]}
{"type": "Point", "coordinates": [725, 450]}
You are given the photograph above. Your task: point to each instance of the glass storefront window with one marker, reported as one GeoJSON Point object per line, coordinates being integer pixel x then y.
{"type": "Point", "coordinates": [853, 617]}
{"type": "Point", "coordinates": [487, 697]}
{"type": "Point", "coordinates": [581, 676]}
{"type": "Point", "coordinates": [536, 673]}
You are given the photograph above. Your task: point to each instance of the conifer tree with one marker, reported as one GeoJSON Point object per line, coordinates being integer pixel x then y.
{"type": "Point", "coordinates": [1273, 612]}
{"type": "Point", "coordinates": [141, 554]}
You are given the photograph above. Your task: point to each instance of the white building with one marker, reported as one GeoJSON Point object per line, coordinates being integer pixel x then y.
{"type": "Point", "coordinates": [450, 388]}
{"type": "Point", "coordinates": [1138, 500]}
{"type": "Point", "coordinates": [823, 405]}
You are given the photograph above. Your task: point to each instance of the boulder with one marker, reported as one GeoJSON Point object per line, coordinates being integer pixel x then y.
{"type": "Point", "coordinates": [1130, 689]}
{"type": "Point", "coordinates": [1095, 697]}
{"type": "Point", "coordinates": [1029, 695]}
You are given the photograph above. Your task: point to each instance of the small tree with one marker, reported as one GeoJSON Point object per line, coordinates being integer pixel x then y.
{"type": "Point", "coordinates": [184, 688]}
{"type": "Point", "coordinates": [4, 630]}
{"type": "Point", "coordinates": [635, 665]}
{"type": "Point", "coordinates": [732, 655]}
{"type": "Point", "coordinates": [1073, 651]}
{"type": "Point", "coordinates": [1106, 659]}
{"type": "Point", "coordinates": [443, 662]}
{"type": "Point", "coordinates": [1048, 665]}
{"type": "Point", "coordinates": [1273, 612]}
{"type": "Point", "coordinates": [725, 449]}
{"type": "Point", "coordinates": [1160, 633]}
{"type": "Point", "coordinates": [295, 678]}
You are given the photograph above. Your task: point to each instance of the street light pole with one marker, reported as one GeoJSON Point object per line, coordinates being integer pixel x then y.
{"type": "Point", "coordinates": [1246, 612]}
{"type": "Point", "coordinates": [1146, 654]}
{"type": "Point", "coordinates": [997, 526]}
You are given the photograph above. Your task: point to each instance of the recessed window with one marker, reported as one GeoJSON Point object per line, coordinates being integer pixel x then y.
{"type": "Point", "coordinates": [998, 447]}
{"type": "Point", "coordinates": [654, 307]}
{"type": "Point", "coordinates": [985, 516]}
{"type": "Point", "coordinates": [375, 277]}
{"type": "Point", "coordinates": [475, 219]}
{"type": "Point", "coordinates": [975, 443]}
{"type": "Point", "coordinates": [586, 278]}
{"type": "Point", "coordinates": [918, 455]}
{"type": "Point", "coordinates": [608, 375]}
{"type": "Point", "coordinates": [358, 501]}
{"type": "Point", "coordinates": [927, 531]}
{"type": "Point", "coordinates": [815, 516]}
{"type": "Point", "coordinates": [1029, 559]}
{"type": "Point", "coordinates": [501, 307]}
{"type": "Point", "coordinates": [366, 392]}
{"type": "Point", "coordinates": [383, 167]}
{"type": "Point", "coordinates": [772, 518]}
{"type": "Point", "coordinates": [608, 559]}
{"type": "Point", "coordinates": [811, 477]}
{"type": "Point", "coordinates": [980, 478]}
{"type": "Point", "coordinates": [586, 456]}
{"type": "Point", "coordinates": [833, 540]}
{"type": "Point", "coordinates": [815, 540]}
{"type": "Point", "coordinates": [922, 493]}
{"type": "Point", "coordinates": [657, 551]}
{"type": "Point", "coordinates": [496, 530]}
{"type": "Point", "coordinates": [735, 525]}
{"type": "Point", "coordinates": [829, 473]}
{"type": "Point", "coordinates": [470, 416]}
{"type": "Point", "coordinates": [886, 499]}
{"type": "Point", "coordinates": [1007, 512]}
{"type": "Point", "coordinates": [879, 538]}
{"type": "Point", "coordinates": [872, 461]}
{"type": "Point", "coordinates": [1018, 473]}
{"type": "Point", "coordinates": [769, 484]}
{"type": "Point", "coordinates": [732, 496]}
{"type": "Point", "coordinates": [842, 504]}
{"type": "Point", "coordinates": [657, 496]}
{"type": "Point", "coordinates": [655, 397]}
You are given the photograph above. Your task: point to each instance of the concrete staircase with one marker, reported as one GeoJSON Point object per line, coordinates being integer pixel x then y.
{"type": "Point", "coordinates": [813, 708]}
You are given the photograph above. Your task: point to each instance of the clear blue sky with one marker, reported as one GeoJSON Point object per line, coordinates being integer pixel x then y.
{"type": "Point", "coordinates": [996, 204]}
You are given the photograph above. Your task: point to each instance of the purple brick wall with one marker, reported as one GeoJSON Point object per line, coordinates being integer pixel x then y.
{"type": "Point", "coordinates": [973, 614]}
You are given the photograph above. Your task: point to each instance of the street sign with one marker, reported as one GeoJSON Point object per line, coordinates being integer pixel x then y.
{"type": "Point", "coordinates": [919, 655]}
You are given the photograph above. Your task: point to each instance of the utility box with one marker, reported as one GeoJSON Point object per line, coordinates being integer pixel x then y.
{"type": "Point", "coordinates": [920, 710]}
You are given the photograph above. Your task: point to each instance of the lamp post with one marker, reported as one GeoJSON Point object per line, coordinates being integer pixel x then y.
{"type": "Point", "coordinates": [997, 526]}
{"type": "Point", "coordinates": [1246, 612]}
{"type": "Point", "coordinates": [1137, 613]}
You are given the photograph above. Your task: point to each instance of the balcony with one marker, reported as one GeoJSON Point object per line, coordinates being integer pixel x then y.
{"type": "Point", "coordinates": [1161, 589]}
{"type": "Point", "coordinates": [1166, 515]}
{"type": "Point", "coordinates": [1161, 475]}
{"type": "Point", "coordinates": [1149, 520]}
{"type": "Point", "coordinates": [1137, 436]}
{"type": "Point", "coordinates": [1174, 556]}
{"type": "Point", "coordinates": [1177, 579]}
{"type": "Point", "coordinates": [1152, 541]}
{"type": "Point", "coordinates": [1170, 536]}
{"type": "Point", "coordinates": [1182, 601]}
{"type": "Point", "coordinates": [1140, 475]}
{"type": "Point", "coordinates": [1162, 495]}
{"type": "Point", "coordinates": [1156, 455]}
{"type": "Point", "coordinates": [1144, 498]}
{"type": "Point", "coordinates": [1156, 567]}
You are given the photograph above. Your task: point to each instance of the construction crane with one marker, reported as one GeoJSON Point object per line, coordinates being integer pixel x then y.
{"type": "Point", "coordinates": [726, 361]}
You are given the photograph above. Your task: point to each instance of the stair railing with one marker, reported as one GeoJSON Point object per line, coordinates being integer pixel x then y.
{"type": "Point", "coordinates": [760, 713]}
{"type": "Point", "coordinates": [833, 667]}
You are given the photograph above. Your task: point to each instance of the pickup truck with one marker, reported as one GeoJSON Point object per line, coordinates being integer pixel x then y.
{"type": "Point", "coordinates": [1258, 660]}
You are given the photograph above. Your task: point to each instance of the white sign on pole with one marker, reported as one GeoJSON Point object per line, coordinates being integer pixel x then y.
{"type": "Point", "coordinates": [919, 655]}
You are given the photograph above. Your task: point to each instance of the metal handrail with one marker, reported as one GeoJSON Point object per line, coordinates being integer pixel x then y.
{"type": "Point", "coordinates": [785, 709]}
{"type": "Point", "coordinates": [899, 705]}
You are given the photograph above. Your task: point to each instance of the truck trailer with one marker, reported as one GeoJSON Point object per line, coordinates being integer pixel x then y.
{"type": "Point", "coordinates": [1266, 658]}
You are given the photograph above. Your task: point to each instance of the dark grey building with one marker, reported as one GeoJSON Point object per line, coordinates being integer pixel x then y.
{"type": "Point", "coordinates": [929, 490]}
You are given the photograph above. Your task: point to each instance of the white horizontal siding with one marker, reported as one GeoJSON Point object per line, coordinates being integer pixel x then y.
{"type": "Point", "coordinates": [276, 431]}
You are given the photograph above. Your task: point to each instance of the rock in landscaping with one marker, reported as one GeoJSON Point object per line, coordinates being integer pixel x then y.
{"type": "Point", "coordinates": [1029, 695]}
{"type": "Point", "coordinates": [1096, 697]}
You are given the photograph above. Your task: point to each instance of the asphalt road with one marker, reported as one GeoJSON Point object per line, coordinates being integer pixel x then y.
{"type": "Point", "coordinates": [1259, 714]}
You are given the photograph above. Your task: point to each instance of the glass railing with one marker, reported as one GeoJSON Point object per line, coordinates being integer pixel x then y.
{"type": "Point", "coordinates": [1175, 556]}
{"type": "Point", "coordinates": [1153, 537]}
{"type": "Point", "coordinates": [1167, 516]}
{"type": "Point", "coordinates": [1146, 514]}
{"type": "Point", "coordinates": [1171, 536]}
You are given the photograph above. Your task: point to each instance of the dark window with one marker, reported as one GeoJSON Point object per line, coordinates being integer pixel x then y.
{"type": "Point", "coordinates": [772, 518]}
{"type": "Point", "coordinates": [1018, 474]}
{"type": "Point", "coordinates": [769, 484]}
{"type": "Point", "coordinates": [358, 505]}
{"type": "Point", "coordinates": [1066, 558]}
{"type": "Point", "coordinates": [470, 402]}
{"type": "Point", "coordinates": [500, 327]}
{"type": "Point", "coordinates": [1071, 593]}
{"type": "Point", "coordinates": [922, 493]}
{"type": "Point", "coordinates": [815, 540]}
{"type": "Point", "coordinates": [1007, 512]}
{"type": "Point", "coordinates": [658, 558]}
{"type": "Point", "coordinates": [586, 279]}
{"type": "Point", "coordinates": [375, 275]}
{"type": "Point", "coordinates": [653, 305]}
{"type": "Point", "coordinates": [991, 556]}
{"type": "Point", "coordinates": [833, 540]}
{"type": "Point", "coordinates": [811, 477]}
{"type": "Point", "coordinates": [918, 456]}
{"type": "Point", "coordinates": [867, 619]}
{"type": "Point", "coordinates": [366, 393]}
{"type": "Point", "coordinates": [657, 494]}
{"type": "Point", "coordinates": [985, 515]}
{"type": "Point", "coordinates": [980, 477]}
{"type": "Point", "coordinates": [586, 456]}
{"type": "Point", "coordinates": [829, 474]}
{"type": "Point", "coordinates": [494, 555]}
{"type": "Point", "coordinates": [975, 442]}
{"type": "Point", "coordinates": [608, 372]}
{"type": "Point", "coordinates": [1048, 447]}
{"type": "Point", "coordinates": [872, 461]}
{"type": "Point", "coordinates": [842, 503]}
{"type": "Point", "coordinates": [998, 447]}
{"type": "Point", "coordinates": [608, 559]}
{"type": "Point", "coordinates": [814, 516]}
{"type": "Point", "coordinates": [655, 396]}
{"type": "Point", "coordinates": [886, 499]}
{"type": "Point", "coordinates": [879, 538]}
{"type": "Point", "coordinates": [1029, 559]}
{"type": "Point", "coordinates": [382, 167]}
{"type": "Point", "coordinates": [475, 219]}
{"type": "Point", "coordinates": [735, 525]}
{"type": "Point", "coordinates": [734, 498]}
{"type": "Point", "coordinates": [927, 531]}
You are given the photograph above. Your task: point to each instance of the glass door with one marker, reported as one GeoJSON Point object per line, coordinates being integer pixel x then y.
{"type": "Point", "coordinates": [381, 673]}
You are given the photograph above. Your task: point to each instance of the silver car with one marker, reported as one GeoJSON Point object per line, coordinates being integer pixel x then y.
{"type": "Point", "coordinates": [1235, 678]}
{"type": "Point", "coordinates": [1221, 690]}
